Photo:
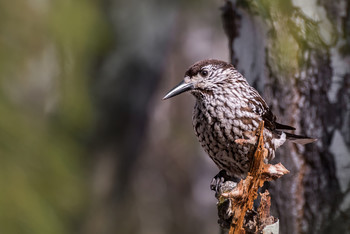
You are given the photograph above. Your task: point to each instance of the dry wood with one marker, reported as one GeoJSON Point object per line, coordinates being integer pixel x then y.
{"type": "Point", "coordinates": [243, 195]}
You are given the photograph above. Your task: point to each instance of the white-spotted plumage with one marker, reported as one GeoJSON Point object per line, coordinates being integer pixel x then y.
{"type": "Point", "coordinates": [228, 108]}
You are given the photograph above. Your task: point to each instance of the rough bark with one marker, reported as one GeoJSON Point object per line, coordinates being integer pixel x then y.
{"type": "Point", "coordinates": [297, 55]}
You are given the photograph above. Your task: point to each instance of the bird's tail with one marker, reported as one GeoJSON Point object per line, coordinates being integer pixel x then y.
{"type": "Point", "coordinates": [299, 139]}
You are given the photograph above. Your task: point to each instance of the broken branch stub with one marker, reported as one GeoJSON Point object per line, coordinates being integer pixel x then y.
{"type": "Point", "coordinates": [242, 197]}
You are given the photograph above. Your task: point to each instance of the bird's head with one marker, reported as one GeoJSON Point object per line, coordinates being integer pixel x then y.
{"type": "Point", "coordinates": [203, 77]}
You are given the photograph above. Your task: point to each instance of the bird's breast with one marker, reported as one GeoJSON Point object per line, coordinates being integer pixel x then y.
{"type": "Point", "coordinates": [225, 122]}
{"type": "Point", "coordinates": [217, 131]}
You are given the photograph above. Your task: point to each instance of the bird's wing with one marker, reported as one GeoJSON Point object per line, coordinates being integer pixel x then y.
{"type": "Point", "coordinates": [261, 108]}
{"type": "Point", "coordinates": [270, 121]}
{"type": "Point", "coordinates": [283, 127]}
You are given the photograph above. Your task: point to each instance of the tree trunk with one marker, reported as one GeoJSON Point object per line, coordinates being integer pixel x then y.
{"type": "Point", "coordinates": [297, 54]}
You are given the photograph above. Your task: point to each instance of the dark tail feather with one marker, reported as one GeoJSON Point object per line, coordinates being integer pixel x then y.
{"type": "Point", "coordinates": [282, 126]}
{"type": "Point", "coordinates": [299, 139]}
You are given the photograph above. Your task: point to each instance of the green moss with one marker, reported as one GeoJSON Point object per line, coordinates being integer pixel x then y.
{"type": "Point", "coordinates": [291, 33]}
{"type": "Point", "coordinates": [46, 51]}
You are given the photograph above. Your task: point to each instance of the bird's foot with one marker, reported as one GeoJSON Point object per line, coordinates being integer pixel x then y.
{"type": "Point", "coordinates": [222, 183]}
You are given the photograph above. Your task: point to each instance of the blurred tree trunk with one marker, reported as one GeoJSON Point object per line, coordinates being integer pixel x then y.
{"type": "Point", "coordinates": [297, 55]}
{"type": "Point", "coordinates": [127, 80]}
{"type": "Point", "coordinates": [148, 168]}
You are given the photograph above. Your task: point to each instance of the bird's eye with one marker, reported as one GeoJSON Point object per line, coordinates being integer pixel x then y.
{"type": "Point", "coordinates": [204, 73]}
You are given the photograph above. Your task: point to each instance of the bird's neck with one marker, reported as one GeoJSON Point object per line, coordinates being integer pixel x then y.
{"type": "Point", "coordinates": [228, 95]}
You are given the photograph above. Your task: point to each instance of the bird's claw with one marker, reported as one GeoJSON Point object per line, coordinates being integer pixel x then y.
{"type": "Point", "coordinates": [222, 183]}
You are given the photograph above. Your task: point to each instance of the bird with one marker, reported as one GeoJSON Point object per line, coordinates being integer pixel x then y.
{"type": "Point", "coordinates": [227, 108]}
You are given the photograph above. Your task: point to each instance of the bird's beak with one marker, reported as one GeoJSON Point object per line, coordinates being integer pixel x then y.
{"type": "Point", "coordinates": [180, 88]}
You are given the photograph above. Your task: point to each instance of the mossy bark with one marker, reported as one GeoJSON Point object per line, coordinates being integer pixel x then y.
{"type": "Point", "coordinates": [296, 54]}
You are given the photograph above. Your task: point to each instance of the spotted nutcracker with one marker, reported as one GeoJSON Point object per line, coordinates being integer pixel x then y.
{"type": "Point", "coordinates": [227, 108]}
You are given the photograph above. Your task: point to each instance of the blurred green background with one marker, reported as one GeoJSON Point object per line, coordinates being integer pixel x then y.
{"type": "Point", "coordinates": [47, 54]}
{"type": "Point", "coordinates": [56, 100]}
{"type": "Point", "coordinates": [87, 145]}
